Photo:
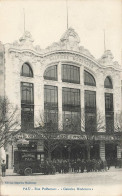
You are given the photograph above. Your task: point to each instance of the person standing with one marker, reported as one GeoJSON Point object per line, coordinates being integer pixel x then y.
{"type": "Point", "coordinates": [3, 167]}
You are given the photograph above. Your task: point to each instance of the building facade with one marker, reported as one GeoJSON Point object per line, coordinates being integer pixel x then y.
{"type": "Point", "coordinates": [64, 84]}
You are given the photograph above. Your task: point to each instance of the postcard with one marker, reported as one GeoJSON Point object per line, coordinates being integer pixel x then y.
{"type": "Point", "coordinates": [61, 98]}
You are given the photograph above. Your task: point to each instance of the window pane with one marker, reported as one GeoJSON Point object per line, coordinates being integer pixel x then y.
{"type": "Point", "coordinates": [108, 83]}
{"type": "Point", "coordinates": [50, 96]}
{"type": "Point", "coordinates": [71, 121]}
{"type": "Point", "coordinates": [27, 93]}
{"type": "Point", "coordinates": [90, 100]}
{"type": "Point", "coordinates": [109, 112]}
{"type": "Point", "coordinates": [26, 70]}
{"type": "Point", "coordinates": [51, 73]}
{"type": "Point", "coordinates": [108, 101]}
{"type": "Point", "coordinates": [70, 99]}
{"type": "Point", "coordinates": [70, 74]}
{"type": "Point", "coordinates": [109, 122]}
{"type": "Point", "coordinates": [27, 116]}
{"type": "Point", "coordinates": [90, 111]}
{"type": "Point", "coordinates": [89, 79]}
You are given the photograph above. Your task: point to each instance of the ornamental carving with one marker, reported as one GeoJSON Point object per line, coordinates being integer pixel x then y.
{"type": "Point", "coordinates": [68, 48]}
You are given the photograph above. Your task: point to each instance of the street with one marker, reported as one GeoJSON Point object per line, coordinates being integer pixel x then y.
{"type": "Point", "coordinates": [92, 183]}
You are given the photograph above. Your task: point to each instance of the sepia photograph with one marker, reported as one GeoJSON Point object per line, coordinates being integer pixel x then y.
{"type": "Point", "coordinates": [61, 98]}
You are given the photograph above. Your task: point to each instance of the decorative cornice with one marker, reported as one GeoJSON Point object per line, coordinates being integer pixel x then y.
{"type": "Point", "coordinates": [107, 59]}
{"type": "Point", "coordinates": [68, 45]}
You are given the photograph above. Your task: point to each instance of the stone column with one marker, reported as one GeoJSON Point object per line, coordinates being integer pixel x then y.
{"type": "Point", "coordinates": [39, 102]}
{"type": "Point", "coordinates": [100, 101]}
{"type": "Point", "coordinates": [60, 122]}
{"type": "Point", "coordinates": [118, 152]}
{"type": "Point", "coordinates": [82, 98]}
{"type": "Point", "coordinates": [102, 150]}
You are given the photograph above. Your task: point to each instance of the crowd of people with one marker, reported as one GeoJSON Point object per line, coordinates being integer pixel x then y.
{"type": "Point", "coordinates": [76, 166]}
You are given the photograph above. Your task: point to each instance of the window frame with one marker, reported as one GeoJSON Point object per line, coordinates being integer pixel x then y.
{"type": "Point", "coordinates": [30, 74]}
{"type": "Point", "coordinates": [88, 76]}
{"type": "Point", "coordinates": [69, 102]}
{"type": "Point", "coordinates": [110, 85]}
{"type": "Point", "coordinates": [49, 69]}
{"type": "Point", "coordinates": [67, 71]}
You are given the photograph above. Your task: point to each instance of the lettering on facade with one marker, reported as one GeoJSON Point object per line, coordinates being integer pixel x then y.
{"type": "Point", "coordinates": [70, 57]}
{"type": "Point", "coordinates": [67, 137]}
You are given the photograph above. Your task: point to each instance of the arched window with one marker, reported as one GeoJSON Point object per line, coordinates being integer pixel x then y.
{"type": "Point", "coordinates": [71, 74]}
{"type": "Point", "coordinates": [51, 73]}
{"type": "Point", "coordinates": [26, 70]}
{"type": "Point", "coordinates": [108, 83]}
{"type": "Point", "coordinates": [89, 79]}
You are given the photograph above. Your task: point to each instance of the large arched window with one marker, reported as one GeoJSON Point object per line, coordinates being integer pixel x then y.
{"type": "Point", "coordinates": [26, 70]}
{"type": "Point", "coordinates": [71, 74]}
{"type": "Point", "coordinates": [89, 79]}
{"type": "Point", "coordinates": [108, 83]}
{"type": "Point", "coordinates": [51, 73]}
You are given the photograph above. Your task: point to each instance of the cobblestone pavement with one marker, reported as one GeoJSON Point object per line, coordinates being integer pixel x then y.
{"type": "Point", "coordinates": [92, 183]}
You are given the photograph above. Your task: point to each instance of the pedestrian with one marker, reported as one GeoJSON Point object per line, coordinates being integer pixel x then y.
{"type": "Point", "coordinates": [3, 167]}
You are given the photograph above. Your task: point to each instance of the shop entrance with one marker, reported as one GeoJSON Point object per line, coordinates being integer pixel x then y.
{"type": "Point", "coordinates": [111, 153]}
{"type": "Point", "coordinates": [75, 151]}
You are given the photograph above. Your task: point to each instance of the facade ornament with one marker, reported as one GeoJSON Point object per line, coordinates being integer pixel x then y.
{"type": "Point", "coordinates": [26, 40]}
{"type": "Point", "coordinates": [69, 41]}
{"type": "Point", "coordinates": [107, 59]}
{"type": "Point", "coordinates": [70, 36]}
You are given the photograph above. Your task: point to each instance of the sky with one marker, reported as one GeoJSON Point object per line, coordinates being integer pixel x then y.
{"type": "Point", "coordinates": [46, 20]}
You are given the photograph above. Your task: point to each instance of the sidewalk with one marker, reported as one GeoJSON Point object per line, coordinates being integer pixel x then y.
{"type": "Point", "coordinates": [9, 172]}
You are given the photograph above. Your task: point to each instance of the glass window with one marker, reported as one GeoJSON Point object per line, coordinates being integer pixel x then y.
{"type": "Point", "coordinates": [71, 99]}
{"type": "Point", "coordinates": [90, 99]}
{"type": "Point", "coordinates": [27, 93]}
{"type": "Point", "coordinates": [90, 111]}
{"type": "Point", "coordinates": [109, 122]}
{"type": "Point", "coordinates": [90, 121]}
{"type": "Point", "coordinates": [50, 96]}
{"type": "Point", "coordinates": [51, 117]}
{"type": "Point", "coordinates": [71, 121]}
{"type": "Point", "coordinates": [108, 83]}
{"type": "Point", "coordinates": [51, 73]}
{"type": "Point", "coordinates": [70, 74]}
{"type": "Point", "coordinates": [89, 79]}
{"type": "Point", "coordinates": [108, 101]}
{"type": "Point", "coordinates": [27, 116]}
{"type": "Point", "coordinates": [26, 70]}
{"type": "Point", "coordinates": [109, 112]}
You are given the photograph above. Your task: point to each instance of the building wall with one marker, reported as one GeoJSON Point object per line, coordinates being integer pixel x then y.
{"type": "Point", "coordinates": [15, 59]}
{"type": "Point", "coordinates": [18, 53]}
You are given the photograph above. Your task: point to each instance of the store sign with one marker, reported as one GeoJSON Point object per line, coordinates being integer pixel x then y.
{"type": "Point", "coordinates": [67, 136]}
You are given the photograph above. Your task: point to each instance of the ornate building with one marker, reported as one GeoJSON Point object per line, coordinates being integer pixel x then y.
{"type": "Point", "coordinates": [66, 84]}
